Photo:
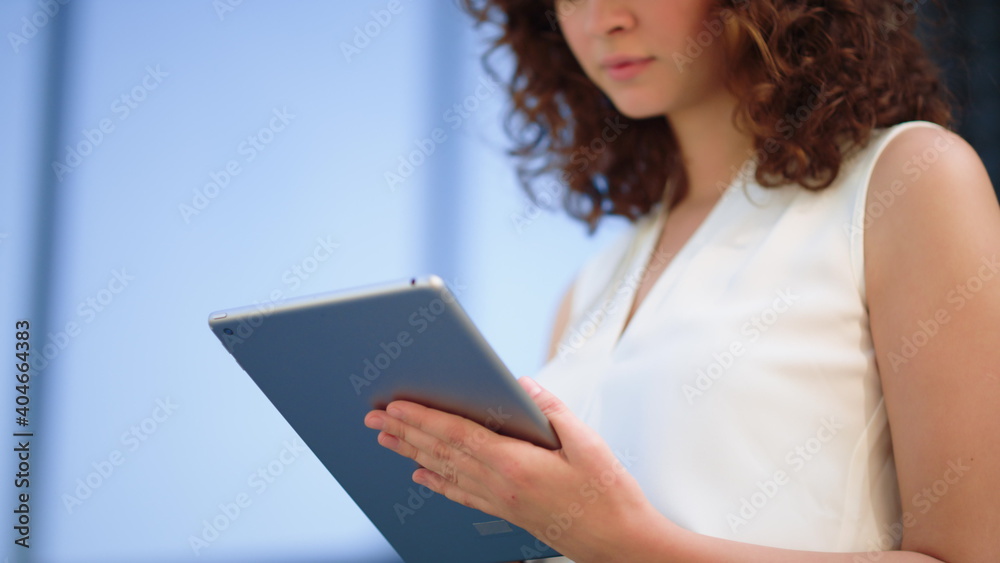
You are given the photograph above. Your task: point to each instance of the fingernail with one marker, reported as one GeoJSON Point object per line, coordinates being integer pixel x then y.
{"type": "Point", "coordinates": [395, 412]}
{"type": "Point", "coordinates": [533, 387]}
{"type": "Point", "coordinates": [375, 422]}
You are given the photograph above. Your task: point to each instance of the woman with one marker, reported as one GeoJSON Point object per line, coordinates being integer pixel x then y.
{"type": "Point", "coordinates": [792, 356]}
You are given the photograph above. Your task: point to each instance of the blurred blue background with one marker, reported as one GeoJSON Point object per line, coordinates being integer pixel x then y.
{"type": "Point", "coordinates": [163, 159]}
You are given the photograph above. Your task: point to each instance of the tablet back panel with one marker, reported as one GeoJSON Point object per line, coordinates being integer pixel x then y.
{"type": "Point", "coordinates": [325, 361]}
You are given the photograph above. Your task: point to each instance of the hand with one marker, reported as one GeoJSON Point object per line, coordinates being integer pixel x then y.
{"type": "Point", "coordinates": [580, 499]}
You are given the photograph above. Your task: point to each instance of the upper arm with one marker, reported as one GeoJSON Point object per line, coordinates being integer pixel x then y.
{"type": "Point", "coordinates": [933, 285]}
{"type": "Point", "coordinates": [561, 320]}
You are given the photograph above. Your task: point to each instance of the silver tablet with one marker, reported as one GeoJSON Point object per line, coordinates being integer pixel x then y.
{"type": "Point", "coordinates": [325, 361]}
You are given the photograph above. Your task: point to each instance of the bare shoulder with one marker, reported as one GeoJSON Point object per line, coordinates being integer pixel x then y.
{"type": "Point", "coordinates": [933, 287]}
{"type": "Point", "coordinates": [936, 206]}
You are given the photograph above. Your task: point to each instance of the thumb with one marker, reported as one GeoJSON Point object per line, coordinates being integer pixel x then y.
{"type": "Point", "coordinates": [568, 427]}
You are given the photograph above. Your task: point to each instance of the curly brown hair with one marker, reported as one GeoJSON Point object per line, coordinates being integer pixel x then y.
{"type": "Point", "coordinates": [810, 72]}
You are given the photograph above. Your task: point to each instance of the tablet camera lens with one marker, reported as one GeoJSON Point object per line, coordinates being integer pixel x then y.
{"type": "Point", "coordinates": [227, 330]}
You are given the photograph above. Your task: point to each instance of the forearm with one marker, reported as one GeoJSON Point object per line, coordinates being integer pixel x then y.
{"type": "Point", "coordinates": [696, 548]}
{"type": "Point", "coordinates": [666, 541]}
{"type": "Point", "coordinates": [657, 539]}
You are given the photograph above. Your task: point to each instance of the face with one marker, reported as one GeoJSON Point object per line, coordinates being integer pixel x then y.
{"type": "Point", "coordinates": [651, 57]}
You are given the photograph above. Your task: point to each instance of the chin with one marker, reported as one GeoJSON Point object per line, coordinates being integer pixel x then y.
{"type": "Point", "coordinates": [640, 114]}
{"type": "Point", "coordinates": [635, 110]}
{"type": "Point", "coordinates": [638, 104]}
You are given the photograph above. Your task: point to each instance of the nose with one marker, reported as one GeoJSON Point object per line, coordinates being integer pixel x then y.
{"type": "Point", "coordinates": [607, 17]}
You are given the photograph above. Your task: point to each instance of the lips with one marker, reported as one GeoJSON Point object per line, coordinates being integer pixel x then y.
{"type": "Point", "coordinates": [625, 67]}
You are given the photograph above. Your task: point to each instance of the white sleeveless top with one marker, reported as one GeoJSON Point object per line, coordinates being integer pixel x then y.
{"type": "Point", "coordinates": [743, 395]}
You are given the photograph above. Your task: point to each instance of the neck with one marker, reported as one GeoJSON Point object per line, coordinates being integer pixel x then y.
{"type": "Point", "coordinates": [711, 147]}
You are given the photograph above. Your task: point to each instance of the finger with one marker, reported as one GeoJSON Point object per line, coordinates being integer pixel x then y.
{"type": "Point", "coordinates": [569, 429]}
{"type": "Point", "coordinates": [401, 447]}
{"type": "Point", "coordinates": [378, 420]}
{"type": "Point", "coordinates": [461, 433]}
{"type": "Point", "coordinates": [451, 460]}
{"type": "Point", "coordinates": [450, 490]}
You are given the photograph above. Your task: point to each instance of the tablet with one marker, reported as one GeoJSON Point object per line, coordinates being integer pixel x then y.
{"type": "Point", "coordinates": [324, 361]}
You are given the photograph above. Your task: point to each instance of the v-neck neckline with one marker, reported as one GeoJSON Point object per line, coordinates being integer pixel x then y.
{"type": "Point", "coordinates": [648, 248]}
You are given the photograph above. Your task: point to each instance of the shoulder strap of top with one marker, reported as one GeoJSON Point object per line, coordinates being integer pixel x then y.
{"type": "Point", "coordinates": [860, 213]}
